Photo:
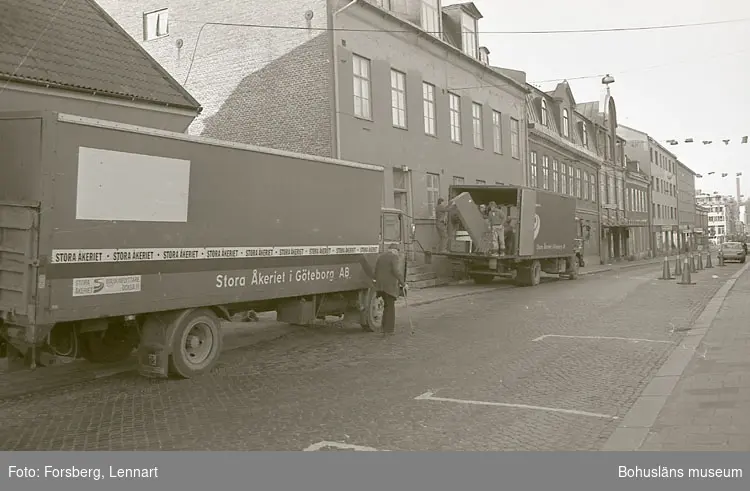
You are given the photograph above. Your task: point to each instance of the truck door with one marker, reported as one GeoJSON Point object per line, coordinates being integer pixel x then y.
{"type": "Point", "coordinates": [19, 249]}
{"type": "Point", "coordinates": [392, 230]}
{"type": "Point", "coordinates": [526, 221]}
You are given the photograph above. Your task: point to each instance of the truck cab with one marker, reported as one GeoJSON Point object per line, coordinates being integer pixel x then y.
{"type": "Point", "coordinates": [392, 228]}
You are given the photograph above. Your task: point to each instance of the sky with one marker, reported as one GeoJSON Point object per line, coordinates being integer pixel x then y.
{"type": "Point", "coordinates": [679, 83]}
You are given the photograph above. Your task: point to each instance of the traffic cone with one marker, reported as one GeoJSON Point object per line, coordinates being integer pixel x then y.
{"type": "Point", "coordinates": [678, 266]}
{"type": "Point", "coordinates": [700, 261]}
{"type": "Point", "coordinates": [709, 265]}
{"type": "Point", "coordinates": [693, 266]}
{"type": "Point", "coordinates": [665, 273]}
{"type": "Point", "coordinates": [686, 280]}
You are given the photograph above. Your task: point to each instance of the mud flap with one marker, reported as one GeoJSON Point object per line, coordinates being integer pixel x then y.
{"type": "Point", "coordinates": [156, 343]}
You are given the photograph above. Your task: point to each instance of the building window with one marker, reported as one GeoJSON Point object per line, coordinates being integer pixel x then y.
{"type": "Point", "coordinates": [566, 123]}
{"type": "Point", "coordinates": [155, 24]}
{"type": "Point", "coordinates": [563, 179]}
{"type": "Point", "coordinates": [362, 101]}
{"type": "Point", "coordinates": [398, 98]}
{"type": "Point", "coordinates": [433, 191]}
{"type": "Point", "coordinates": [430, 17]}
{"type": "Point", "coordinates": [469, 35]}
{"type": "Point", "coordinates": [458, 181]}
{"type": "Point", "coordinates": [532, 170]}
{"type": "Point", "coordinates": [555, 176]}
{"type": "Point", "coordinates": [584, 134]}
{"type": "Point", "coordinates": [515, 139]}
{"type": "Point", "coordinates": [476, 121]}
{"type": "Point", "coordinates": [585, 185]}
{"type": "Point", "coordinates": [545, 113]}
{"type": "Point", "coordinates": [497, 131]}
{"type": "Point", "coordinates": [455, 111]}
{"type": "Point", "coordinates": [571, 181]}
{"type": "Point", "coordinates": [545, 172]}
{"type": "Point", "coordinates": [578, 184]}
{"type": "Point", "coordinates": [592, 184]}
{"type": "Point", "coordinates": [428, 103]}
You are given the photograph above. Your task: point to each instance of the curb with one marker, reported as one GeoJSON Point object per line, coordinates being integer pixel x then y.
{"type": "Point", "coordinates": [635, 427]}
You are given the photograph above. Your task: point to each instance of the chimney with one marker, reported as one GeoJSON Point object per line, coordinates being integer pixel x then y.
{"type": "Point", "coordinates": [484, 55]}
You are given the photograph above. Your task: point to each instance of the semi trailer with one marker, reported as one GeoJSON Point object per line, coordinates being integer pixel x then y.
{"type": "Point", "coordinates": [115, 238]}
{"type": "Point", "coordinates": [543, 237]}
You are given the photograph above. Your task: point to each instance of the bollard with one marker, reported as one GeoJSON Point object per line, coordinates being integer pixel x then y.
{"type": "Point", "coordinates": [721, 259]}
{"type": "Point", "coordinates": [678, 267]}
{"type": "Point", "coordinates": [708, 261]}
{"type": "Point", "coordinates": [665, 273]}
{"type": "Point", "coordinates": [700, 261]}
{"type": "Point", "coordinates": [693, 266]}
{"type": "Point", "coordinates": [686, 279]}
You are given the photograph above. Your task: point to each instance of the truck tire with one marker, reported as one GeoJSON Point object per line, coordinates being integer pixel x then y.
{"type": "Point", "coordinates": [529, 274]}
{"type": "Point", "coordinates": [482, 279]}
{"type": "Point", "coordinates": [114, 344]}
{"type": "Point", "coordinates": [572, 273]}
{"type": "Point", "coordinates": [372, 317]}
{"type": "Point", "coordinates": [196, 344]}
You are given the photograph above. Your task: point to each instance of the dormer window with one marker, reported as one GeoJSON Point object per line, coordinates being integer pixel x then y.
{"type": "Point", "coordinates": [584, 134]}
{"type": "Point", "coordinates": [566, 124]}
{"type": "Point", "coordinates": [545, 113]}
{"type": "Point", "coordinates": [430, 17]}
{"type": "Point", "coordinates": [469, 41]}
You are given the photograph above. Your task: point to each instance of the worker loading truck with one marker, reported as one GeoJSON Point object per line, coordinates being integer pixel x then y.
{"type": "Point", "coordinates": [114, 237]}
{"type": "Point", "coordinates": [512, 231]}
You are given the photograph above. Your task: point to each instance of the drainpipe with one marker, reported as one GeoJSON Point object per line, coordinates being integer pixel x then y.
{"type": "Point", "coordinates": [335, 62]}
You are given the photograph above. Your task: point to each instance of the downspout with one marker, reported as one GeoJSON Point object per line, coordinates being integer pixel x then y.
{"type": "Point", "coordinates": [335, 61]}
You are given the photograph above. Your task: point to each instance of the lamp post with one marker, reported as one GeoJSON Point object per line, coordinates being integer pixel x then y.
{"type": "Point", "coordinates": [606, 80]}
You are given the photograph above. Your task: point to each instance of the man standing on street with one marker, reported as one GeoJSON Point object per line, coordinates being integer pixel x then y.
{"type": "Point", "coordinates": [441, 222]}
{"type": "Point", "coordinates": [389, 279]}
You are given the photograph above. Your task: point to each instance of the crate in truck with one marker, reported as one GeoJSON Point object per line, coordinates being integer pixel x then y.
{"type": "Point", "coordinates": [109, 227]}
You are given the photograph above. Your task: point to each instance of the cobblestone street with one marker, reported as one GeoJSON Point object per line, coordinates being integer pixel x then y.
{"type": "Point", "coordinates": [554, 367]}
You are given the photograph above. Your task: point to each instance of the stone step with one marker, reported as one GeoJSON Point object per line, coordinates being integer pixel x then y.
{"type": "Point", "coordinates": [420, 276]}
{"type": "Point", "coordinates": [418, 268]}
{"type": "Point", "coordinates": [418, 285]}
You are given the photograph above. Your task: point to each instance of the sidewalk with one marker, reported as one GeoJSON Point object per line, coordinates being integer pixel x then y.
{"type": "Point", "coordinates": [464, 288]}
{"type": "Point", "coordinates": [700, 399]}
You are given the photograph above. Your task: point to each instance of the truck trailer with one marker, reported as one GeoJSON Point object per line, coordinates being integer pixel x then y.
{"type": "Point", "coordinates": [544, 238]}
{"type": "Point", "coordinates": [115, 237]}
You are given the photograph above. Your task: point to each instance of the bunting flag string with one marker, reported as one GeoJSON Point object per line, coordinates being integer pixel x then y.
{"type": "Point", "coordinates": [726, 141]}
{"type": "Point", "coordinates": [723, 174]}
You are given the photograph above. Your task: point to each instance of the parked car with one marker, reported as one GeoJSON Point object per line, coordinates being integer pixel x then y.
{"type": "Point", "coordinates": [732, 251]}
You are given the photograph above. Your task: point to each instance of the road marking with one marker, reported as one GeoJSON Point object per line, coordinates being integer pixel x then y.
{"type": "Point", "coordinates": [316, 447]}
{"type": "Point", "coordinates": [633, 340]}
{"type": "Point", "coordinates": [429, 396]}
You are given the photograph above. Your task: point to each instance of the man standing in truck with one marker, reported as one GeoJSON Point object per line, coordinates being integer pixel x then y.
{"type": "Point", "coordinates": [389, 280]}
{"type": "Point", "coordinates": [441, 222]}
{"type": "Point", "coordinates": [497, 223]}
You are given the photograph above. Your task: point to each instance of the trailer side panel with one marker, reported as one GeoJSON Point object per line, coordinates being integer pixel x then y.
{"type": "Point", "coordinates": [141, 223]}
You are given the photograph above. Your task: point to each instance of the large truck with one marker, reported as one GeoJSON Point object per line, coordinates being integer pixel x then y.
{"type": "Point", "coordinates": [544, 238]}
{"type": "Point", "coordinates": [116, 237]}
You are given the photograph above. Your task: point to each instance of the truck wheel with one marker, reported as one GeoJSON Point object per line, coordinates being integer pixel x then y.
{"type": "Point", "coordinates": [572, 274]}
{"type": "Point", "coordinates": [196, 344]}
{"type": "Point", "coordinates": [372, 317]}
{"type": "Point", "coordinates": [529, 274]}
{"type": "Point", "coordinates": [482, 279]}
{"type": "Point", "coordinates": [114, 344]}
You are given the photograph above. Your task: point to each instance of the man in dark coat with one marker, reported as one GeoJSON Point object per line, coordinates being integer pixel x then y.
{"type": "Point", "coordinates": [389, 279]}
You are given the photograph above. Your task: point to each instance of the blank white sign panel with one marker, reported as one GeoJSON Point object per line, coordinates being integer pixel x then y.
{"type": "Point", "coordinates": [122, 186]}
